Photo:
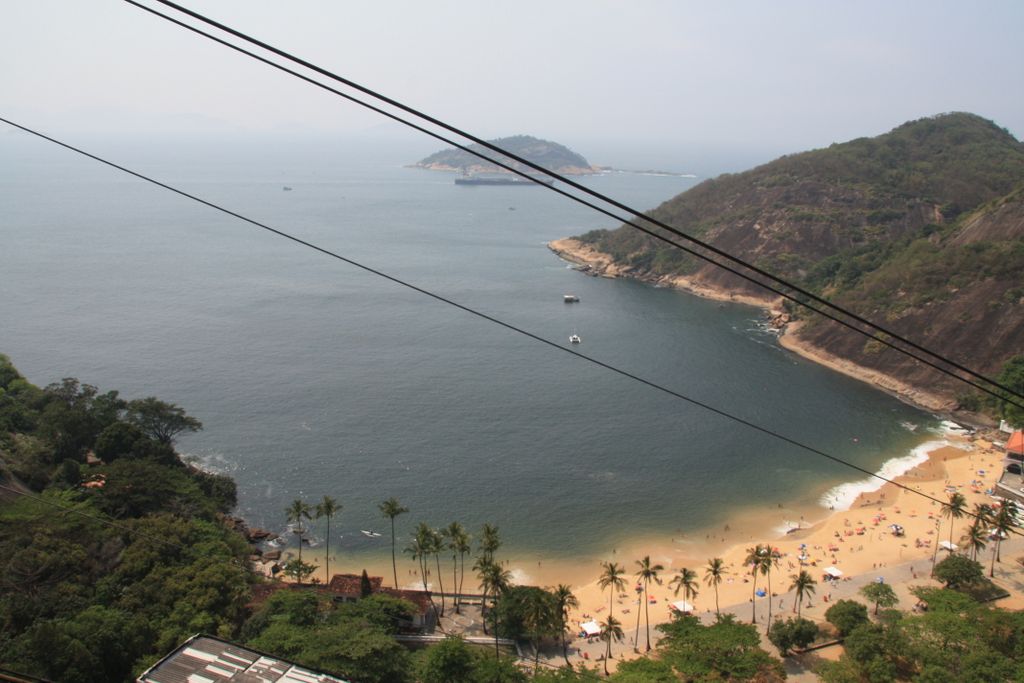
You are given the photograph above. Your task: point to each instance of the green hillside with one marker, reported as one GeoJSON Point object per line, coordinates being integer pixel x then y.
{"type": "Point", "coordinates": [544, 153]}
{"type": "Point", "coordinates": [921, 229]}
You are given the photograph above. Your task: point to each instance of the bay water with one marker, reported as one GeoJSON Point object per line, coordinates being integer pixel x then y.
{"type": "Point", "coordinates": [313, 377]}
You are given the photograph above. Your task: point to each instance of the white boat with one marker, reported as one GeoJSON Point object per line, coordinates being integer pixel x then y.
{"type": "Point", "coordinates": [570, 298]}
{"type": "Point", "coordinates": [370, 534]}
{"type": "Point", "coordinates": [574, 339]}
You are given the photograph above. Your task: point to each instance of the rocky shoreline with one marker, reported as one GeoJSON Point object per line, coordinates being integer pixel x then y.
{"type": "Point", "coordinates": [590, 261]}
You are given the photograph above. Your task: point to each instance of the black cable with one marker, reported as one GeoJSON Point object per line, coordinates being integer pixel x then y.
{"type": "Point", "coordinates": [586, 190]}
{"type": "Point", "coordinates": [625, 373]}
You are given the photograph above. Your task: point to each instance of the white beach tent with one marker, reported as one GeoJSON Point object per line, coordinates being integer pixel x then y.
{"type": "Point", "coordinates": [682, 606]}
{"type": "Point", "coordinates": [946, 545]}
{"type": "Point", "coordinates": [833, 572]}
{"type": "Point", "coordinates": [591, 628]}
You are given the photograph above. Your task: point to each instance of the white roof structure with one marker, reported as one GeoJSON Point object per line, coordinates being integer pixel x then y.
{"type": "Point", "coordinates": [591, 628]}
{"type": "Point", "coordinates": [833, 572]}
{"type": "Point", "coordinates": [682, 606]}
{"type": "Point", "coordinates": [946, 545]}
{"type": "Point", "coordinates": [205, 659]}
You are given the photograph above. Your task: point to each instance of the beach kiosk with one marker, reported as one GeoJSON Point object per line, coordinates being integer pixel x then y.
{"type": "Point", "coordinates": [832, 574]}
{"type": "Point", "coordinates": [682, 607]}
{"type": "Point", "coordinates": [590, 628]}
{"type": "Point", "coordinates": [946, 545]}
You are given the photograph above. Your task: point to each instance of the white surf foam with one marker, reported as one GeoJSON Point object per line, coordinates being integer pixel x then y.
{"type": "Point", "coordinates": [841, 497]}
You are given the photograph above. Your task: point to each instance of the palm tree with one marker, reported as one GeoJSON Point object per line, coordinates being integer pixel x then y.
{"type": "Point", "coordinates": [647, 573]}
{"type": "Point", "coordinates": [295, 512]}
{"type": "Point", "coordinates": [391, 508]}
{"type": "Point", "coordinates": [753, 560]}
{"type": "Point", "coordinates": [421, 548]}
{"type": "Point", "coordinates": [954, 509]}
{"type": "Point", "coordinates": [564, 601]}
{"type": "Point", "coordinates": [435, 545]}
{"type": "Point", "coordinates": [803, 584]}
{"type": "Point", "coordinates": [611, 577]}
{"type": "Point", "coordinates": [611, 629]}
{"type": "Point", "coordinates": [713, 577]}
{"type": "Point", "coordinates": [489, 541]}
{"type": "Point", "coordinates": [977, 537]}
{"type": "Point", "coordinates": [328, 507]}
{"type": "Point", "coordinates": [458, 543]}
{"type": "Point", "coordinates": [769, 557]}
{"type": "Point", "coordinates": [538, 618]}
{"type": "Point", "coordinates": [493, 580]}
{"type": "Point", "coordinates": [686, 581]}
{"type": "Point", "coordinates": [1004, 521]}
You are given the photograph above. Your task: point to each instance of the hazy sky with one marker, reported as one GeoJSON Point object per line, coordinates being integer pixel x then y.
{"type": "Point", "coordinates": [780, 76]}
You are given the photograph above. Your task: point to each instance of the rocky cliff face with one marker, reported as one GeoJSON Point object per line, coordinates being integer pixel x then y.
{"type": "Point", "coordinates": [920, 230]}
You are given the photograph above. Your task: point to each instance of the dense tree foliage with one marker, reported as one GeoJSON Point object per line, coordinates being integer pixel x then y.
{"type": "Point", "coordinates": [846, 615]}
{"type": "Point", "coordinates": [956, 639]}
{"type": "Point", "coordinates": [1012, 376]}
{"type": "Point", "coordinates": [798, 632]}
{"type": "Point", "coordinates": [725, 650]}
{"type": "Point", "coordinates": [353, 640]}
{"type": "Point", "coordinates": [957, 571]}
{"type": "Point", "coordinates": [141, 561]}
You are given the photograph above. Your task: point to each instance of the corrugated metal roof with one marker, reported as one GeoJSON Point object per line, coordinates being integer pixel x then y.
{"type": "Point", "coordinates": [203, 659]}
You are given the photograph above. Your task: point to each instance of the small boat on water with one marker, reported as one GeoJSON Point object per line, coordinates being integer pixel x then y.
{"type": "Point", "coordinates": [570, 298]}
{"type": "Point", "coordinates": [575, 339]}
{"type": "Point", "coordinates": [369, 534]}
{"type": "Point", "coordinates": [286, 188]}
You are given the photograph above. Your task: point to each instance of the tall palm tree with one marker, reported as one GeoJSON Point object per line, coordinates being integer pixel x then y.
{"type": "Point", "coordinates": [391, 508]}
{"type": "Point", "coordinates": [954, 510]}
{"type": "Point", "coordinates": [481, 567]}
{"type": "Point", "coordinates": [489, 541]}
{"type": "Point", "coordinates": [1004, 521]}
{"type": "Point", "coordinates": [753, 560]}
{"type": "Point", "coordinates": [713, 574]}
{"type": "Point", "coordinates": [611, 577]}
{"type": "Point", "coordinates": [458, 543]}
{"type": "Point", "coordinates": [295, 512]}
{"type": "Point", "coordinates": [436, 545]}
{"type": "Point", "coordinates": [686, 581]}
{"type": "Point", "coordinates": [539, 620]}
{"type": "Point", "coordinates": [611, 629]}
{"type": "Point", "coordinates": [648, 572]}
{"type": "Point", "coordinates": [977, 537]}
{"type": "Point", "coordinates": [421, 548]}
{"type": "Point", "coordinates": [769, 558]}
{"type": "Point", "coordinates": [803, 584]}
{"type": "Point", "coordinates": [493, 580]}
{"type": "Point", "coordinates": [564, 601]}
{"type": "Point", "coordinates": [328, 507]}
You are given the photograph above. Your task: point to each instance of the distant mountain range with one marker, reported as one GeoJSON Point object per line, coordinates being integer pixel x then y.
{"type": "Point", "coordinates": [920, 229]}
{"type": "Point", "coordinates": [544, 153]}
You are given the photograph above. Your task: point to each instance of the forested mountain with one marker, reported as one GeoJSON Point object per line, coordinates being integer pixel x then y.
{"type": "Point", "coordinates": [549, 155]}
{"type": "Point", "coordinates": [920, 229]}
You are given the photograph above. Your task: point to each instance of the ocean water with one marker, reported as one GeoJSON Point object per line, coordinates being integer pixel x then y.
{"type": "Point", "coordinates": [313, 377]}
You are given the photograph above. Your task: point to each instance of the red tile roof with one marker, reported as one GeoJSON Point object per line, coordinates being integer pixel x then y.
{"type": "Point", "coordinates": [351, 584]}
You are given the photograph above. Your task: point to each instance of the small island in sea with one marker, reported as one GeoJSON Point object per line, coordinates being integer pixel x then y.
{"type": "Point", "coordinates": [549, 155]}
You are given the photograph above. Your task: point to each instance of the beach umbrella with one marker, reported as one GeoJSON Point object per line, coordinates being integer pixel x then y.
{"type": "Point", "coordinates": [760, 593]}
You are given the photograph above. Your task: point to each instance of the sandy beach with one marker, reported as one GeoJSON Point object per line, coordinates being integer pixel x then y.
{"type": "Point", "coordinates": [855, 537]}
